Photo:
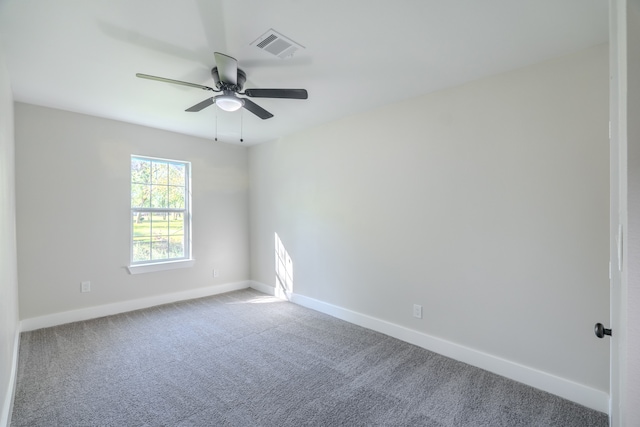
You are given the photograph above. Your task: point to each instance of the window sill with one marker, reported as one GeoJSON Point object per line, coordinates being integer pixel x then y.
{"type": "Point", "coordinates": [160, 266]}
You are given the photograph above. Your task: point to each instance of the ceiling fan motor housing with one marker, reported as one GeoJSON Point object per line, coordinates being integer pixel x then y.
{"type": "Point", "coordinates": [242, 77]}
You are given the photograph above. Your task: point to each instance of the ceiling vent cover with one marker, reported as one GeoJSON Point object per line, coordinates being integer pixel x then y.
{"type": "Point", "coordinates": [276, 44]}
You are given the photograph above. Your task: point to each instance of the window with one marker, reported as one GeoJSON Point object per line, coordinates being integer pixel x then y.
{"type": "Point", "coordinates": [160, 211]}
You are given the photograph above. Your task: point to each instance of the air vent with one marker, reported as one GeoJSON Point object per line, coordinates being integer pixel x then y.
{"type": "Point", "coordinates": [276, 44]}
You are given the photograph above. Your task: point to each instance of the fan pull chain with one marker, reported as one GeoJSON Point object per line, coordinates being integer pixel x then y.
{"type": "Point", "coordinates": [216, 122]}
{"type": "Point", "coordinates": [241, 124]}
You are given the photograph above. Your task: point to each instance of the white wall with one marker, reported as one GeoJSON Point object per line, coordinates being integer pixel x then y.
{"type": "Point", "coordinates": [72, 180]}
{"type": "Point", "coordinates": [487, 204]}
{"type": "Point", "coordinates": [9, 326]}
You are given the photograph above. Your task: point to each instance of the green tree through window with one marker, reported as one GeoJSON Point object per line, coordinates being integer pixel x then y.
{"type": "Point", "coordinates": [160, 215]}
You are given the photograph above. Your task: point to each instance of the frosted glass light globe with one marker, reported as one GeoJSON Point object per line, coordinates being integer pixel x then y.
{"type": "Point", "coordinates": [229, 102]}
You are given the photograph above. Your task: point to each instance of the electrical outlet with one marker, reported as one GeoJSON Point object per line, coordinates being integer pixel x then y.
{"type": "Point", "coordinates": [85, 286]}
{"type": "Point", "coordinates": [417, 311]}
{"type": "Point", "coordinates": [216, 273]}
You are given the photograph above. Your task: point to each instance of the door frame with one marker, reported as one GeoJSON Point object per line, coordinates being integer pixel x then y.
{"type": "Point", "coordinates": [624, 42]}
{"type": "Point", "coordinates": [617, 84]}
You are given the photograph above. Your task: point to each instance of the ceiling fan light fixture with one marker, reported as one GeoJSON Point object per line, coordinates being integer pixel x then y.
{"type": "Point", "coordinates": [229, 80]}
{"type": "Point", "coordinates": [229, 102]}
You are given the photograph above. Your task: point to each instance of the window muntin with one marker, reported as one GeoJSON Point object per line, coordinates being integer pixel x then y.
{"type": "Point", "coordinates": [160, 215]}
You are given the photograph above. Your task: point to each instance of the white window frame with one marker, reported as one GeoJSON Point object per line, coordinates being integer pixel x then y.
{"type": "Point", "coordinates": [171, 263]}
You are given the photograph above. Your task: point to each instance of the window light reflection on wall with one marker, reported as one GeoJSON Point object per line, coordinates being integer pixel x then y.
{"type": "Point", "coordinates": [284, 270]}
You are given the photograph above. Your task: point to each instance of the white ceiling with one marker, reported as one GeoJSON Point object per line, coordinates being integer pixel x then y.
{"type": "Point", "coordinates": [82, 56]}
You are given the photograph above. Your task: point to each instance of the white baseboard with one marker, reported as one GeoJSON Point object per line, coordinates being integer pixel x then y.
{"type": "Point", "coordinates": [570, 390]}
{"type": "Point", "coordinates": [261, 287]}
{"type": "Point", "coordinates": [579, 393]}
{"type": "Point", "coordinates": [124, 306]}
{"type": "Point", "coordinates": [7, 405]}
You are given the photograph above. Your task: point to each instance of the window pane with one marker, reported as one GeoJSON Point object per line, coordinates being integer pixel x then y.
{"type": "Point", "coordinates": [176, 197]}
{"type": "Point", "coordinates": [140, 196]}
{"type": "Point", "coordinates": [160, 248]}
{"type": "Point", "coordinates": [176, 246]}
{"type": "Point", "coordinates": [159, 196]}
{"type": "Point", "coordinates": [176, 224]}
{"type": "Point", "coordinates": [160, 224]}
{"type": "Point", "coordinates": [141, 251]}
{"type": "Point", "coordinates": [177, 174]}
{"type": "Point", "coordinates": [160, 173]}
{"type": "Point", "coordinates": [140, 171]}
{"type": "Point", "coordinates": [160, 235]}
{"type": "Point", "coordinates": [141, 226]}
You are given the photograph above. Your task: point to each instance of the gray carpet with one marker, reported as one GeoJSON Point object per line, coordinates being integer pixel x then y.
{"type": "Point", "coordinates": [247, 359]}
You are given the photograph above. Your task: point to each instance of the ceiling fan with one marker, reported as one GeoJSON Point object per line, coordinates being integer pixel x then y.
{"type": "Point", "coordinates": [229, 80]}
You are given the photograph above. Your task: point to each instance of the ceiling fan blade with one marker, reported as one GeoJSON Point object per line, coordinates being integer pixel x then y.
{"type": "Point", "coordinates": [256, 109]}
{"type": "Point", "coordinates": [277, 93]}
{"type": "Point", "coordinates": [201, 105]}
{"type": "Point", "coordinates": [227, 68]}
{"type": "Point", "coordinates": [178, 82]}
